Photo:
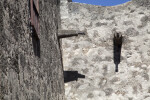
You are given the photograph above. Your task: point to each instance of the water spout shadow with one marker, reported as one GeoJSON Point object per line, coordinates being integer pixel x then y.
{"type": "Point", "coordinates": [117, 42]}
{"type": "Point", "coordinates": [72, 76]}
{"type": "Point", "coordinates": [36, 45]}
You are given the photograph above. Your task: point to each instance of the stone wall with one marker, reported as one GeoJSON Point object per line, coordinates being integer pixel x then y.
{"type": "Point", "coordinates": [92, 54]}
{"type": "Point", "coordinates": [24, 76]}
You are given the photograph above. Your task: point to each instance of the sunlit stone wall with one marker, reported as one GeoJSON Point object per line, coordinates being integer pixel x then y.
{"type": "Point", "coordinates": [92, 54]}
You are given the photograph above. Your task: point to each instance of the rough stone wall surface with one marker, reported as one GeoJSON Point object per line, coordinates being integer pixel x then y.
{"type": "Point", "coordinates": [24, 76]}
{"type": "Point", "coordinates": [92, 54]}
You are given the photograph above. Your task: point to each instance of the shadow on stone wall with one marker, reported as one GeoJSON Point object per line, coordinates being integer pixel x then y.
{"type": "Point", "coordinates": [36, 45]}
{"type": "Point", "coordinates": [72, 76]}
{"type": "Point", "coordinates": [117, 42]}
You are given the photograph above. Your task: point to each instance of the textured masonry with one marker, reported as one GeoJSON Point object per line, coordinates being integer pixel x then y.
{"type": "Point", "coordinates": [24, 76]}
{"type": "Point", "coordinates": [92, 54]}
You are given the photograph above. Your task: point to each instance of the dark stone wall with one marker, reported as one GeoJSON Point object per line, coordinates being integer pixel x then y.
{"type": "Point", "coordinates": [24, 76]}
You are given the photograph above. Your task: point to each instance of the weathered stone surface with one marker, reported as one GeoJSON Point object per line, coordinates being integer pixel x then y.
{"type": "Point", "coordinates": [92, 54]}
{"type": "Point", "coordinates": [24, 76]}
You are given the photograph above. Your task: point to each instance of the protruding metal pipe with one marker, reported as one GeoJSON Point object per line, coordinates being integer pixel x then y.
{"type": "Point", "coordinates": [69, 33]}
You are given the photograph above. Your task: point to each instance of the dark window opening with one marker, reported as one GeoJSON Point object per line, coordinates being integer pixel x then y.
{"type": "Point", "coordinates": [117, 42]}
